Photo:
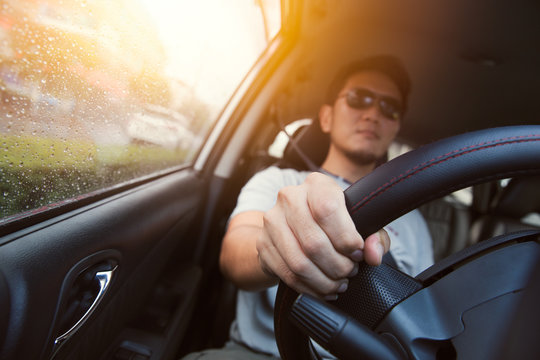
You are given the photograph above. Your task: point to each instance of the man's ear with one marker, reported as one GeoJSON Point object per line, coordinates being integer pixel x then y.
{"type": "Point", "coordinates": [325, 118]}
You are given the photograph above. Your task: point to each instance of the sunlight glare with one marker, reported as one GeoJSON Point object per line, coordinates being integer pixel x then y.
{"type": "Point", "coordinates": [210, 44]}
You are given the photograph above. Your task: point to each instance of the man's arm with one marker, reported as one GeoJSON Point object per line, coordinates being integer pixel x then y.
{"type": "Point", "coordinates": [239, 259]}
{"type": "Point", "coordinates": [307, 239]}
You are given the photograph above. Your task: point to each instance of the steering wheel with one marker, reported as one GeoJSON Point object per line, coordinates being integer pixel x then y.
{"type": "Point", "coordinates": [459, 306]}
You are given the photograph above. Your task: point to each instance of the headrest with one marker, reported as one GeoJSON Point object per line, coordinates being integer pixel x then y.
{"type": "Point", "coordinates": [520, 197]}
{"type": "Point", "coordinates": [312, 142]}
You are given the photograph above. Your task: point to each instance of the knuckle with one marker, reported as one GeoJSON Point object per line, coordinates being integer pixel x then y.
{"type": "Point", "coordinates": [270, 217]}
{"type": "Point", "coordinates": [287, 194]}
{"type": "Point", "coordinates": [314, 178]}
{"type": "Point", "coordinates": [324, 208]}
{"type": "Point", "coordinates": [267, 217]}
{"type": "Point", "coordinates": [289, 278]}
{"type": "Point", "coordinates": [300, 267]}
{"type": "Point", "coordinates": [261, 245]}
{"type": "Point", "coordinates": [348, 241]}
{"type": "Point", "coordinates": [343, 270]}
{"type": "Point", "coordinates": [322, 181]}
{"type": "Point", "coordinates": [312, 245]}
{"type": "Point", "coordinates": [340, 269]}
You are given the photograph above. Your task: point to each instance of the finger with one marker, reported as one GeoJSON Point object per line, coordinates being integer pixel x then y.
{"type": "Point", "coordinates": [319, 249]}
{"type": "Point", "coordinates": [280, 251]}
{"type": "Point", "coordinates": [376, 245]}
{"type": "Point", "coordinates": [313, 241]}
{"type": "Point", "coordinates": [327, 206]}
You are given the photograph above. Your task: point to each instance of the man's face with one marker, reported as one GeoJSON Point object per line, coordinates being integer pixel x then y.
{"type": "Point", "coordinates": [363, 135]}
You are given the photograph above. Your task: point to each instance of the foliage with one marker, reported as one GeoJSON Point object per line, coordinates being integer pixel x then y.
{"type": "Point", "coordinates": [37, 171]}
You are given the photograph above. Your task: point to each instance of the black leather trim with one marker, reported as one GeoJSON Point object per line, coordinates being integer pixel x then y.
{"type": "Point", "coordinates": [438, 169]}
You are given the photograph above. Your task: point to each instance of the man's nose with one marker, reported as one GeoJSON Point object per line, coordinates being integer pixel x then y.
{"type": "Point", "coordinates": [372, 113]}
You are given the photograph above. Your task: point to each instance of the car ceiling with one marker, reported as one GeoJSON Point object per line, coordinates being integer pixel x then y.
{"type": "Point", "coordinates": [473, 64]}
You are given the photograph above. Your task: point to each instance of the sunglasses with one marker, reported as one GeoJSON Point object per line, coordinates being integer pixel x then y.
{"type": "Point", "coordinates": [359, 98]}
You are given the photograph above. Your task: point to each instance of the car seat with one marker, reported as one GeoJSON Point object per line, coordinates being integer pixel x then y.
{"type": "Point", "coordinates": [509, 208]}
{"type": "Point", "coordinates": [307, 148]}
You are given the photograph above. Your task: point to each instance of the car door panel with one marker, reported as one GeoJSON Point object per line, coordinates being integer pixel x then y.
{"type": "Point", "coordinates": [136, 231]}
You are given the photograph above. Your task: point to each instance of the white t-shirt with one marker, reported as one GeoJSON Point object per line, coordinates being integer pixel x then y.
{"type": "Point", "coordinates": [411, 248]}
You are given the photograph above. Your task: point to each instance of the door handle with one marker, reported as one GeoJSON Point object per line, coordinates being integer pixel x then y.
{"type": "Point", "coordinates": [104, 279]}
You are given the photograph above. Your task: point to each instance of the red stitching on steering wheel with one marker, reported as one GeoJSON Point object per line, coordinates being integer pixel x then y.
{"type": "Point", "coordinates": [438, 160]}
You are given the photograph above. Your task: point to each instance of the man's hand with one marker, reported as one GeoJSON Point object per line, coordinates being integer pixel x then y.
{"type": "Point", "coordinates": [309, 240]}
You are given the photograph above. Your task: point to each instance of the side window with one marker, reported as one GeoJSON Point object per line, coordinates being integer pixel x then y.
{"type": "Point", "coordinates": [97, 93]}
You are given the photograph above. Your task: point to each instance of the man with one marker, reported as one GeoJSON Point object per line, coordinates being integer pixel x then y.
{"type": "Point", "coordinates": [294, 226]}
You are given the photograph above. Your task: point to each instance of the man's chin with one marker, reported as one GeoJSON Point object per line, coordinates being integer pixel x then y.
{"type": "Point", "coordinates": [363, 158]}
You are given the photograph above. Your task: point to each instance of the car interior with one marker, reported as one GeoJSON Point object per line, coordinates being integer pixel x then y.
{"type": "Point", "coordinates": [132, 272]}
{"type": "Point", "coordinates": [423, 317]}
